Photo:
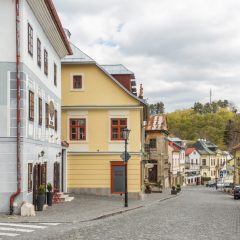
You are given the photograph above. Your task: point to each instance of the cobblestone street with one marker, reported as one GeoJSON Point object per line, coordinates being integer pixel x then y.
{"type": "Point", "coordinates": [198, 213]}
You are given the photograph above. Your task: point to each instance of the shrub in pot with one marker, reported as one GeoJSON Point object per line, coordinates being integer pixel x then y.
{"type": "Point", "coordinates": [40, 197]}
{"type": "Point", "coordinates": [49, 194]}
{"type": "Point", "coordinates": [178, 188]}
{"type": "Point", "coordinates": [173, 191]}
{"type": "Point", "coordinates": [148, 188]}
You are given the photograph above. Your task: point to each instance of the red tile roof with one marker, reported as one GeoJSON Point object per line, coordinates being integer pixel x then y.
{"type": "Point", "coordinates": [188, 151]}
{"type": "Point", "coordinates": [156, 122]}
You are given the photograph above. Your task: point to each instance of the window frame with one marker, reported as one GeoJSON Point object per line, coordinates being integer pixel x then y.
{"type": "Point", "coordinates": [39, 53]}
{"type": "Point", "coordinates": [46, 115]}
{"type": "Point", "coordinates": [30, 105]}
{"type": "Point", "coordinates": [30, 40]}
{"type": "Point", "coordinates": [55, 120]}
{"type": "Point", "coordinates": [118, 126]}
{"type": "Point", "coordinates": [55, 75]}
{"type": "Point", "coordinates": [151, 141]}
{"type": "Point", "coordinates": [77, 126]}
{"type": "Point", "coordinates": [45, 62]}
{"type": "Point", "coordinates": [30, 177]}
{"type": "Point", "coordinates": [74, 82]}
{"type": "Point", "coordinates": [40, 111]}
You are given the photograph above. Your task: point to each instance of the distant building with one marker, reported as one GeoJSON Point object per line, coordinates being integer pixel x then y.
{"type": "Point", "coordinates": [176, 152]}
{"type": "Point", "coordinates": [212, 158]}
{"type": "Point", "coordinates": [192, 167]}
{"type": "Point", "coordinates": [156, 139]}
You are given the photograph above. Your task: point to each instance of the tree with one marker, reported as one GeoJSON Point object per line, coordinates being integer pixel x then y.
{"type": "Point", "coordinates": [156, 108]}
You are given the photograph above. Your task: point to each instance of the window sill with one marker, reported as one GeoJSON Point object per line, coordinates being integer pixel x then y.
{"type": "Point", "coordinates": [77, 90]}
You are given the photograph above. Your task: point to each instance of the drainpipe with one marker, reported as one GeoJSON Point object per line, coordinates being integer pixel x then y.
{"type": "Point", "coordinates": [18, 97]}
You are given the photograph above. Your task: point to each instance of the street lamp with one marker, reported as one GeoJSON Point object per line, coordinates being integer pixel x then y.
{"type": "Point", "coordinates": [126, 133]}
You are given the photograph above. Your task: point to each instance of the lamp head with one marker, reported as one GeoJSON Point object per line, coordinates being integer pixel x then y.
{"type": "Point", "coordinates": [126, 133]}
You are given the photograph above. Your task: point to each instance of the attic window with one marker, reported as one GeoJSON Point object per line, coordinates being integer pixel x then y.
{"type": "Point", "coordinates": [77, 82]}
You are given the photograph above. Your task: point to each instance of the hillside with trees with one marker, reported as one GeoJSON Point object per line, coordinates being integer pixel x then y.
{"type": "Point", "coordinates": [217, 122]}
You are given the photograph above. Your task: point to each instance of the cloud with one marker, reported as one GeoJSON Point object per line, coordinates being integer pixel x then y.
{"type": "Point", "coordinates": [177, 49]}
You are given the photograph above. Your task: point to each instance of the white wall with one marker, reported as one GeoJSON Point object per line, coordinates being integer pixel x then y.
{"type": "Point", "coordinates": [7, 31]}
{"type": "Point", "coordinates": [31, 62]}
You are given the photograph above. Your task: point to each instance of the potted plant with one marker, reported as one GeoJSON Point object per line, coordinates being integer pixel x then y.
{"type": "Point", "coordinates": [40, 197]}
{"type": "Point", "coordinates": [173, 191]}
{"type": "Point", "coordinates": [178, 188]}
{"type": "Point", "coordinates": [49, 194]}
{"type": "Point", "coordinates": [147, 188]}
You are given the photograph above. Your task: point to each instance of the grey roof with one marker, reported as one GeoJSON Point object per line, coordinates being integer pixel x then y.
{"type": "Point", "coordinates": [78, 56]}
{"type": "Point", "coordinates": [205, 146]}
{"type": "Point", "coordinates": [117, 69]}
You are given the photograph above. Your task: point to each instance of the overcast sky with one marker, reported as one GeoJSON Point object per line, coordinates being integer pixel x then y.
{"type": "Point", "coordinates": [178, 49]}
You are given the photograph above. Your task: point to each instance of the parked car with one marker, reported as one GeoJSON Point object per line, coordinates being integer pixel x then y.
{"type": "Point", "coordinates": [211, 183]}
{"type": "Point", "coordinates": [236, 192]}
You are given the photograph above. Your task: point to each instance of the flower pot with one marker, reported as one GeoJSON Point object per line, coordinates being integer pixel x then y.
{"type": "Point", "coordinates": [49, 198]}
{"type": "Point", "coordinates": [40, 202]}
{"type": "Point", "coordinates": [148, 191]}
{"type": "Point", "coordinates": [173, 192]}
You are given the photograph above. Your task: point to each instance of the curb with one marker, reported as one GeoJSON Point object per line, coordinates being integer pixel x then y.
{"type": "Point", "coordinates": [131, 209]}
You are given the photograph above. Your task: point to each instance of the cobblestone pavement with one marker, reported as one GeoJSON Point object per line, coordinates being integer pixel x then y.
{"type": "Point", "coordinates": [198, 213]}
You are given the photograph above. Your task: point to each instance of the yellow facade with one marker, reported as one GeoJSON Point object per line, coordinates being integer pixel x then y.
{"type": "Point", "coordinates": [99, 100]}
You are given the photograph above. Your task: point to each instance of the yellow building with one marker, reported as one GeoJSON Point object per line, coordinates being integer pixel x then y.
{"type": "Point", "coordinates": [95, 108]}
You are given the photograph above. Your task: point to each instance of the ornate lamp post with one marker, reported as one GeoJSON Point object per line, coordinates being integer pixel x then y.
{"type": "Point", "coordinates": [126, 133]}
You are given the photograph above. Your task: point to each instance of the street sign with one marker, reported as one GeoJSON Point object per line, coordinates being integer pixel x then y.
{"type": "Point", "coordinates": [128, 156]}
{"type": "Point", "coordinates": [221, 174]}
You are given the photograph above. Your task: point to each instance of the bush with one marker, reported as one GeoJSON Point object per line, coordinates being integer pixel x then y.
{"type": "Point", "coordinates": [49, 187]}
{"type": "Point", "coordinates": [41, 190]}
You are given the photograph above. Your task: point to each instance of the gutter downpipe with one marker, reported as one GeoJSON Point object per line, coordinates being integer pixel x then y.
{"type": "Point", "coordinates": [18, 98]}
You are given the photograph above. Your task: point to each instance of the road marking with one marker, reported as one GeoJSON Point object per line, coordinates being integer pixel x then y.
{"type": "Point", "coordinates": [15, 229]}
{"type": "Point", "coordinates": [50, 224]}
{"type": "Point", "coordinates": [8, 234]}
{"type": "Point", "coordinates": [22, 225]}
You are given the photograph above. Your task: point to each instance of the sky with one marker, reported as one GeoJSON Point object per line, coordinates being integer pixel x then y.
{"type": "Point", "coordinates": [178, 49]}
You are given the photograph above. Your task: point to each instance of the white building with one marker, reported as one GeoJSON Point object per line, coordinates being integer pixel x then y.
{"type": "Point", "coordinates": [32, 44]}
{"type": "Point", "coordinates": [192, 167]}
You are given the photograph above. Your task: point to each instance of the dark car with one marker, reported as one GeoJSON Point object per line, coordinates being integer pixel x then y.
{"type": "Point", "coordinates": [236, 192]}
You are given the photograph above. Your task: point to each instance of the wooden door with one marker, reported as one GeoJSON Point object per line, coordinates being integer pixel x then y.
{"type": "Point", "coordinates": [152, 174]}
{"type": "Point", "coordinates": [36, 181]}
{"type": "Point", "coordinates": [56, 177]}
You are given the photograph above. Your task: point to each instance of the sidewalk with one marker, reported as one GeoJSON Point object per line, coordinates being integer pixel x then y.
{"type": "Point", "coordinates": [88, 208]}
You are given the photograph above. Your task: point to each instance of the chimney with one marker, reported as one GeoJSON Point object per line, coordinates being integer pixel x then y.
{"type": "Point", "coordinates": [141, 92]}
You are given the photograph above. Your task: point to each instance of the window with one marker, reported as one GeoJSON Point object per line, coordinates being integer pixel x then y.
{"type": "Point", "coordinates": [30, 40]}
{"type": "Point", "coordinates": [78, 129]}
{"type": "Point", "coordinates": [39, 111]}
{"type": "Point", "coordinates": [55, 120]}
{"type": "Point", "coordinates": [196, 161]}
{"type": "Point", "coordinates": [45, 62]}
{"type": "Point", "coordinates": [77, 82]}
{"type": "Point", "coordinates": [46, 115]}
{"type": "Point", "coordinates": [31, 106]}
{"type": "Point", "coordinates": [39, 62]}
{"type": "Point", "coordinates": [117, 126]}
{"type": "Point", "coordinates": [204, 162]}
{"type": "Point", "coordinates": [55, 74]}
{"type": "Point", "coordinates": [30, 165]}
{"type": "Point", "coordinates": [153, 143]}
